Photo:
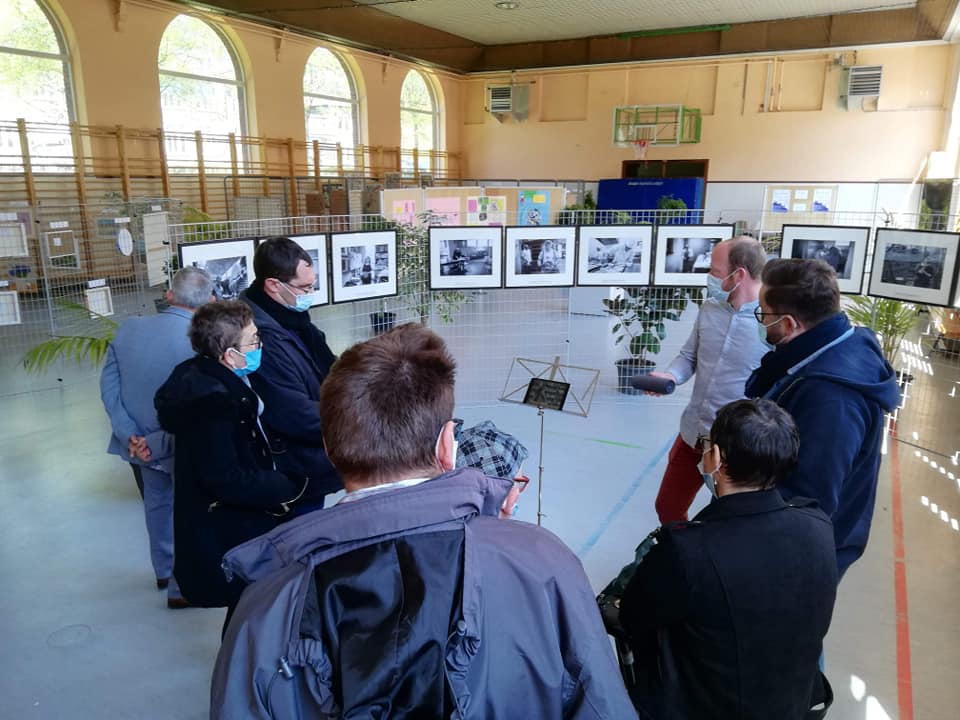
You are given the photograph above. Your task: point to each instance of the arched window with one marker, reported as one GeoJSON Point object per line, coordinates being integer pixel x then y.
{"type": "Point", "coordinates": [201, 88]}
{"type": "Point", "coordinates": [419, 120]}
{"type": "Point", "coordinates": [330, 106]}
{"type": "Point", "coordinates": [34, 83]}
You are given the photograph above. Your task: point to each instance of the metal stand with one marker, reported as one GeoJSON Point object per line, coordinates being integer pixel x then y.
{"type": "Point", "coordinates": [540, 514]}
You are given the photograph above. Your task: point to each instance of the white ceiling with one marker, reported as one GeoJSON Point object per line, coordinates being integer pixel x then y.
{"type": "Point", "coordinates": [482, 22]}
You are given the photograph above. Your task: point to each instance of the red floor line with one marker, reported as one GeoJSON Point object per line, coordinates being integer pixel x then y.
{"type": "Point", "coordinates": [904, 671]}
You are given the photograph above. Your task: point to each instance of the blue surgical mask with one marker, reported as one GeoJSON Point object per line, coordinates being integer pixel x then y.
{"type": "Point", "coordinates": [762, 330]}
{"type": "Point", "coordinates": [708, 479]}
{"type": "Point", "coordinates": [252, 357]}
{"type": "Point", "coordinates": [715, 287]}
{"type": "Point", "coordinates": [302, 303]}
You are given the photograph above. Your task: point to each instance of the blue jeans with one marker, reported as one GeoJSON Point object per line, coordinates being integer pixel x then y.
{"type": "Point", "coordinates": [158, 511]}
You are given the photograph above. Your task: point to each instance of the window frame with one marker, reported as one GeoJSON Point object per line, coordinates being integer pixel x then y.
{"type": "Point", "coordinates": [434, 113]}
{"type": "Point", "coordinates": [353, 100]}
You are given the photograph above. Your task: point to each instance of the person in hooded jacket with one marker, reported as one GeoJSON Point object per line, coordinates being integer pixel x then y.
{"type": "Point", "coordinates": [410, 598]}
{"type": "Point", "coordinates": [296, 361]}
{"type": "Point", "coordinates": [833, 379]}
{"type": "Point", "coordinates": [226, 489]}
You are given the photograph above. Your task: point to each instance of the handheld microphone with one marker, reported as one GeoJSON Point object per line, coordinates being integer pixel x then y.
{"type": "Point", "coordinates": [659, 385]}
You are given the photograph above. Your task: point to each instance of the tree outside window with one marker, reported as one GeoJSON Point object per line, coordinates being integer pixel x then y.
{"type": "Point", "coordinates": [330, 107]}
{"type": "Point", "coordinates": [418, 120]}
{"type": "Point", "coordinates": [34, 85]}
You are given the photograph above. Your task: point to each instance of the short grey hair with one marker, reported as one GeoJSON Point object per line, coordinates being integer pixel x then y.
{"type": "Point", "coordinates": [191, 287]}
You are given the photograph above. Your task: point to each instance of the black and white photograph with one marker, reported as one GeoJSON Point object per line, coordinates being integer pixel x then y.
{"type": "Point", "coordinates": [842, 247]}
{"type": "Point", "coordinates": [540, 256]}
{"type": "Point", "coordinates": [465, 257]}
{"type": "Point", "coordinates": [316, 247]}
{"type": "Point", "coordinates": [364, 265]}
{"type": "Point", "coordinates": [915, 265]}
{"type": "Point", "coordinates": [229, 262]}
{"type": "Point", "coordinates": [683, 253]}
{"type": "Point", "coordinates": [614, 255]}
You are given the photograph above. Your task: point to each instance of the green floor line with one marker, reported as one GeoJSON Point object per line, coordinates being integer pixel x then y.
{"type": "Point", "coordinates": [599, 440]}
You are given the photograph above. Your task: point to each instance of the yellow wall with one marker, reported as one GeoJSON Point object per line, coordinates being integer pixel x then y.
{"type": "Point", "coordinates": [806, 135]}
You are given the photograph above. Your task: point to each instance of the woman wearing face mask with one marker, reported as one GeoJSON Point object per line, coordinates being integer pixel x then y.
{"type": "Point", "coordinates": [226, 488]}
{"type": "Point", "coordinates": [726, 614]}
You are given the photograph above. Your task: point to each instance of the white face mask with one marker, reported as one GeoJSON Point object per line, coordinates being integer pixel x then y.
{"type": "Point", "coordinates": [708, 478]}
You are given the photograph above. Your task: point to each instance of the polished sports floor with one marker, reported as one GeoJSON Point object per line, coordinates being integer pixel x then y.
{"type": "Point", "coordinates": [85, 634]}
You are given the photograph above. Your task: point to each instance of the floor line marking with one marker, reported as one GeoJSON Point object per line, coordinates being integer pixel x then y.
{"type": "Point", "coordinates": [601, 441]}
{"type": "Point", "coordinates": [622, 502]}
{"type": "Point", "coordinates": [904, 671]}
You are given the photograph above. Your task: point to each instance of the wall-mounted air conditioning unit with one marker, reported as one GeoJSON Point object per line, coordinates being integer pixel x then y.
{"type": "Point", "coordinates": [862, 82]}
{"type": "Point", "coordinates": [509, 101]}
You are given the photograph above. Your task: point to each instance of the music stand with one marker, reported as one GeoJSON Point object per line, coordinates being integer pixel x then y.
{"type": "Point", "coordinates": [548, 386]}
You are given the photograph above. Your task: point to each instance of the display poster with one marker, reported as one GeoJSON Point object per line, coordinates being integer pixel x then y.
{"type": "Point", "coordinates": [533, 207]}
{"type": "Point", "coordinates": [447, 208]}
{"type": "Point", "coordinates": [780, 203]}
{"type": "Point", "coordinates": [487, 210]}
{"type": "Point", "coordinates": [822, 200]}
{"type": "Point", "coordinates": [154, 240]}
{"type": "Point", "coordinates": [405, 211]}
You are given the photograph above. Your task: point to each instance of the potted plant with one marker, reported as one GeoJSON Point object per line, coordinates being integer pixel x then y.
{"type": "Point", "coordinates": [579, 213]}
{"type": "Point", "coordinates": [76, 348]}
{"type": "Point", "coordinates": [641, 315]}
{"type": "Point", "coordinates": [891, 320]}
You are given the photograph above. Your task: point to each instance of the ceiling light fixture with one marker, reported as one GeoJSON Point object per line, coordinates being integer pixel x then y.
{"type": "Point", "coordinates": [506, 5]}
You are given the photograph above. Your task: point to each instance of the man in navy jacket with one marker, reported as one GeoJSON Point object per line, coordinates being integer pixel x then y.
{"type": "Point", "coordinates": [296, 360]}
{"type": "Point", "coordinates": [833, 379]}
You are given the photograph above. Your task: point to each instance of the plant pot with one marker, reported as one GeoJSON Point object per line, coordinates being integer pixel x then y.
{"type": "Point", "coordinates": [627, 369]}
{"type": "Point", "coordinates": [382, 322]}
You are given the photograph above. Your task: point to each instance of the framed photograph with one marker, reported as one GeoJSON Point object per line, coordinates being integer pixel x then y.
{"type": "Point", "coordinates": [540, 256]}
{"type": "Point", "coordinates": [229, 262]}
{"type": "Point", "coordinates": [61, 249]}
{"type": "Point", "coordinates": [682, 256]}
{"type": "Point", "coordinates": [9, 308]}
{"type": "Point", "coordinates": [364, 265]}
{"type": "Point", "coordinates": [465, 257]}
{"type": "Point", "coordinates": [99, 301]}
{"type": "Point", "coordinates": [316, 247]}
{"type": "Point", "coordinates": [842, 247]}
{"type": "Point", "coordinates": [914, 265]}
{"type": "Point", "coordinates": [614, 255]}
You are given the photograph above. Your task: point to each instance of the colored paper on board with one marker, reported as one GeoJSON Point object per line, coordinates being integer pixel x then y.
{"type": "Point", "coordinates": [487, 210]}
{"type": "Point", "coordinates": [405, 211]}
{"type": "Point", "coordinates": [533, 207]}
{"type": "Point", "coordinates": [448, 209]}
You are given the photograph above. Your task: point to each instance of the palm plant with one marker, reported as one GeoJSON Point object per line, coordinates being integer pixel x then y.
{"type": "Point", "coordinates": [891, 320]}
{"type": "Point", "coordinates": [91, 347]}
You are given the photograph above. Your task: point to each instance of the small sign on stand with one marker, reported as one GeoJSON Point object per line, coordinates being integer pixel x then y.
{"type": "Point", "coordinates": [548, 386]}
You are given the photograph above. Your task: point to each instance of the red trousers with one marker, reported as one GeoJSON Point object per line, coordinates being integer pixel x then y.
{"type": "Point", "coordinates": [681, 482]}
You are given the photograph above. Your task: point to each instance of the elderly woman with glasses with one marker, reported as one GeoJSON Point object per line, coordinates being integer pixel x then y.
{"type": "Point", "coordinates": [227, 489]}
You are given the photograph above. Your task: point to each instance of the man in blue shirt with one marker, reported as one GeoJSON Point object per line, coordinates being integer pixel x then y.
{"type": "Point", "coordinates": [139, 360]}
{"type": "Point", "coordinates": [722, 351]}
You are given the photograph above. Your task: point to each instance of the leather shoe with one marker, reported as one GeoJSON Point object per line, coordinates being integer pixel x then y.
{"type": "Point", "coordinates": [177, 603]}
{"type": "Point", "coordinates": [162, 583]}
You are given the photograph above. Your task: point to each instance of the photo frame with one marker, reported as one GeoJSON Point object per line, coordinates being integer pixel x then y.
{"type": "Point", "coordinates": [843, 247]}
{"type": "Point", "coordinates": [316, 247]}
{"type": "Point", "coordinates": [614, 255]}
{"type": "Point", "coordinates": [682, 253]}
{"type": "Point", "coordinates": [61, 249]}
{"type": "Point", "coordinates": [99, 301]}
{"type": "Point", "coordinates": [466, 257]}
{"type": "Point", "coordinates": [364, 265]}
{"type": "Point", "coordinates": [539, 256]}
{"type": "Point", "coordinates": [917, 266]}
{"type": "Point", "coordinates": [229, 262]}
{"type": "Point", "coordinates": [9, 308]}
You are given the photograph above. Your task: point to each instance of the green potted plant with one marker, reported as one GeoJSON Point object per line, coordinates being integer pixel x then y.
{"type": "Point", "coordinates": [891, 320]}
{"type": "Point", "coordinates": [641, 315]}
{"type": "Point", "coordinates": [579, 213]}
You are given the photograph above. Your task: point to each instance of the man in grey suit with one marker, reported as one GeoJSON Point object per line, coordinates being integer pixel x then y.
{"type": "Point", "coordinates": [139, 360]}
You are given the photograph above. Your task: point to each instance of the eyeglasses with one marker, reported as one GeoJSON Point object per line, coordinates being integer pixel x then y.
{"type": "Point", "coordinates": [256, 344]}
{"type": "Point", "coordinates": [457, 428]}
{"type": "Point", "coordinates": [522, 481]}
{"type": "Point", "coordinates": [296, 289]}
{"type": "Point", "coordinates": [760, 315]}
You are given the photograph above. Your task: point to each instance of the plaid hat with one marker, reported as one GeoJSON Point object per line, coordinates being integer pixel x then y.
{"type": "Point", "coordinates": [490, 451]}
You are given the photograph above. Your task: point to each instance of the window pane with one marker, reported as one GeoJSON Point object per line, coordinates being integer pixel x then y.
{"type": "Point", "coordinates": [32, 88]}
{"type": "Point", "coordinates": [416, 130]}
{"type": "Point", "coordinates": [324, 75]}
{"type": "Point", "coordinates": [415, 95]}
{"type": "Point", "coordinates": [190, 105]}
{"type": "Point", "coordinates": [191, 46]}
{"type": "Point", "coordinates": [329, 121]}
{"type": "Point", "coordinates": [24, 26]}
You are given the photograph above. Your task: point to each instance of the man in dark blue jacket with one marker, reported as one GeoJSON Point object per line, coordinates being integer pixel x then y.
{"type": "Point", "coordinates": [296, 359]}
{"type": "Point", "coordinates": [833, 379]}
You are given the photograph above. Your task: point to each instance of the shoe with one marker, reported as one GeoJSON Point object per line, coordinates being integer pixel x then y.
{"type": "Point", "coordinates": [177, 603]}
{"type": "Point", "coordinates": [162, 583]}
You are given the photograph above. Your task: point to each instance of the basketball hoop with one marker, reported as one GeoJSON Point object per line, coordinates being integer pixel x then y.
{"type": "Point", "coordinates": [640, 149]}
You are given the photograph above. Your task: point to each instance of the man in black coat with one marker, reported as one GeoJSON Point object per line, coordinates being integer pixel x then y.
{"type": "Point", "coordinates": [727, 613]}
{"type": "Point", "coordinates": [296, 360]}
